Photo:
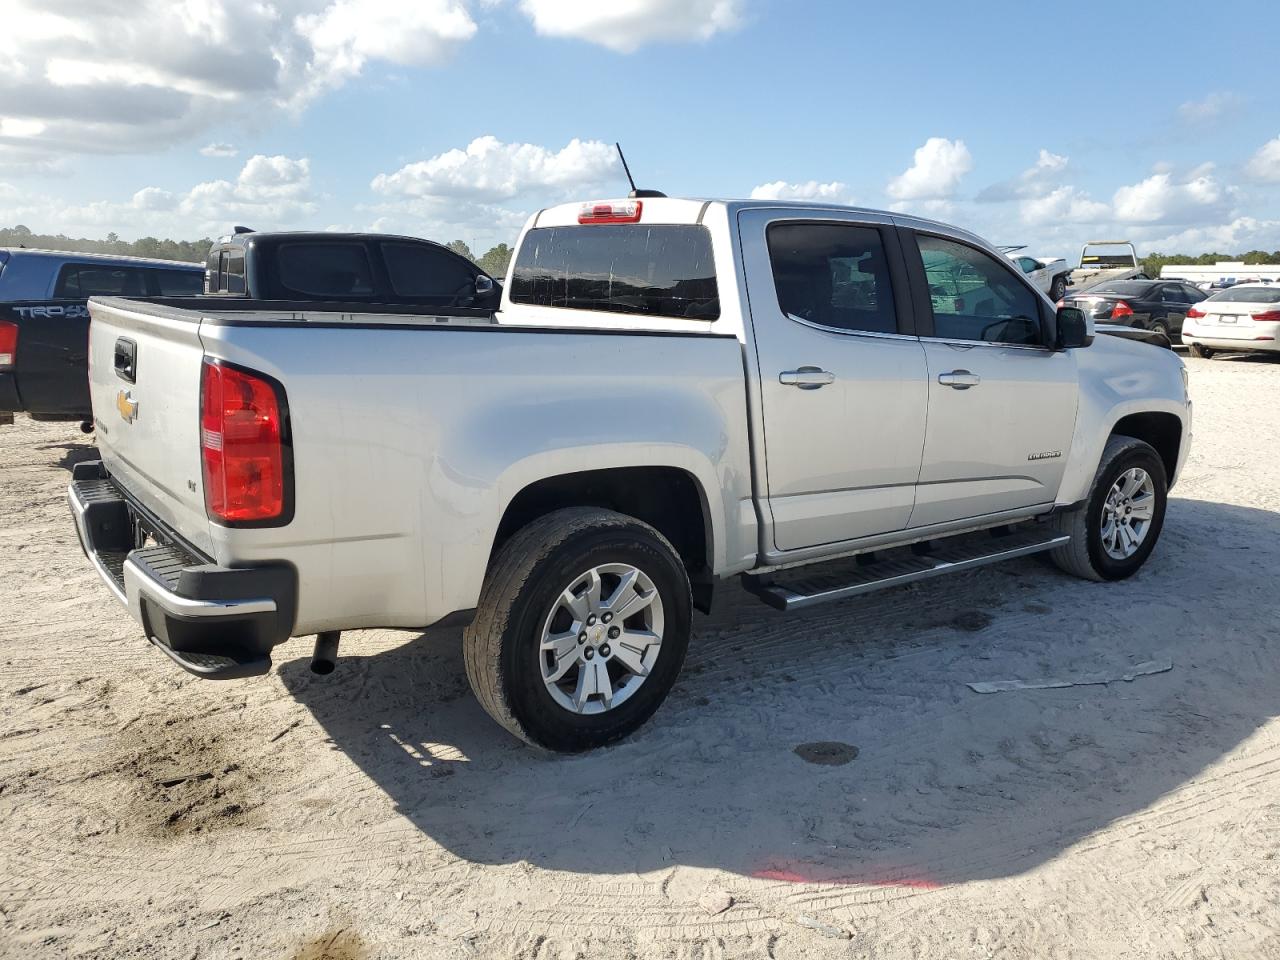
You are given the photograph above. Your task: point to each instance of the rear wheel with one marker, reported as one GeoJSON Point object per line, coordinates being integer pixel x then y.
{"type": "Point", "coordinates": [1117, 528]}
{"type": "Point", "coordinates": [582, 629]}
{"type": "Point", "coordinates": [1198, 350]}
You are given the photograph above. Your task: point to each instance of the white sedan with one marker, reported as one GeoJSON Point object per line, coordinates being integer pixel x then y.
{"type": "Point", "coordinates": [1243, 318]}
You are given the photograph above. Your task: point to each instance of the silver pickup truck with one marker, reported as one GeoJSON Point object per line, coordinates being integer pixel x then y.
{"type": "Point", "coordinates": [673, 392]}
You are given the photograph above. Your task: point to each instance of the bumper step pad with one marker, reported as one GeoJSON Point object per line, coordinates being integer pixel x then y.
{"type": "Point", "coordinates": [891, 568]}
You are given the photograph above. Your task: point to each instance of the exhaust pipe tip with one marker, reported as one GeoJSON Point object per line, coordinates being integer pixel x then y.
{"type": "Point", "coordinates": [325, 658]}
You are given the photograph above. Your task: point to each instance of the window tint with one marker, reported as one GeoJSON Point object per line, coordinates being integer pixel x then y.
{"type": "Point", "coordinates": [1194, 295]}
{"type": "Point", "coordinates": [1125, 288]}
{"type": "Point", "coordinates": [832, 274]}
{"type": "Point", "coordinates": [1172, 293]}
{"type": "Point", "coordinates": [976, 298]}
{"type": "Point", "coordinates": [323, 269]}
{"type": "Point", "coordinates": [417, 270]}
{"type": "Point", "coordinates": [1248, 295]}
{"type": "Point", "coordinates": [665, 270]}
{"type": "Point", "coordinates": [99, 280]}
{"type": "Point", "coordinates": [233, 272]}
{"type": "Point", "coordinates": [177, 283]}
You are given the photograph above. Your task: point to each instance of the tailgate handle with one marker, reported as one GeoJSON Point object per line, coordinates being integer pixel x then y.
{"type": "Point", "coordinates": [126, 360]}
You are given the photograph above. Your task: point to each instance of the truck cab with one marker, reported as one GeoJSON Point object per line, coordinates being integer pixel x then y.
{"type": "Point", "coordinates": [346, 267]}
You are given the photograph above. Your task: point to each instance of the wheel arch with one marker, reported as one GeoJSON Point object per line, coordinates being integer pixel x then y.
{"type": "Point", "coordinates": [1162, 431]}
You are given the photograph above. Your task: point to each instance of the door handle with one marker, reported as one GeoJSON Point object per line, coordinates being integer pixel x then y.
{"type": "Point", "coordinates": [806, 378]}
{"type": "Point", "coordinates": [959, 379]}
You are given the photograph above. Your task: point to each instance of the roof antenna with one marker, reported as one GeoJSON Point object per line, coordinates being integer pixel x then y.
{"type": "Point", "coordinates": [635, 193]}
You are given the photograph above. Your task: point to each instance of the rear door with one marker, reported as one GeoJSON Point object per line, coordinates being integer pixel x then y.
{"type": "Point", "coordinates": [1002, 405]}
{"type": "Point", "coordinates": [842, 375]}
{"type": "Point", "coordinates": [144, 377]}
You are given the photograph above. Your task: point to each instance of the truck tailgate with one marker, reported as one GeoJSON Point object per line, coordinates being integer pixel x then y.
{"type": "Point", "coordinates": [144, 380]}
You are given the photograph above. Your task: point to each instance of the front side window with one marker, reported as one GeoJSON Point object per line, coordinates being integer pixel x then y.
{"type": "Point", "coordinates": [663, 270]}
{"type": "Point", "coordinates": [337, 270]}
{"type": "Point", "coordinates": [834, 275]}
{"type": "Point", "coordinates": [99, 280]}
{"type": "Point", "coordinates": [1028, 265]}
{"type": "Point", "coordinates": [976, 298]}
{"type": "Point", "coordinates": [418, 270]}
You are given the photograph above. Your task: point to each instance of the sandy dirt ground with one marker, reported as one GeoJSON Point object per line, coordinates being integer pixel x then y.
{"type": "Point", "coordinates": [378, 813]}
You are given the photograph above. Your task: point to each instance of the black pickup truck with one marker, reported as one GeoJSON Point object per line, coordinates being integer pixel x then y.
{"type": "Point", "coordinates": [44, 320]}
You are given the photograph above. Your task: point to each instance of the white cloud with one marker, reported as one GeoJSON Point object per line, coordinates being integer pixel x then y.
{"type": "Point", "coordinates": [1210, 107]}
{"type": "Point", "coordinates": [627, 25]}
{"type": "Point", "coordinates": [269, 192]}
{"type": "Point", "coordinates": [833, 192]}
{"type": "Point", "coordinates": [84, 76]}
{"type": "Point", "coordinates": [490, 170]}
{"type": "Point", "coordinates": [1265, 164]}
{"type": "Point", "coordinates": [1064, 204]}
{"type": "Point", "coordinates": [1162, 199]}
{"type": "Point", "coordinates": [937, 170]}
{"type": "Point", "coordinates": [349, 33]}
{"type": "Point", "coordinates": [1237, 236]}
{"type": "Point", "coordinates": [218, 150]}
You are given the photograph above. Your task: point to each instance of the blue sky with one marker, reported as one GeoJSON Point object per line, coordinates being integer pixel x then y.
{"type": "Point", "coordinates": [456, 118]}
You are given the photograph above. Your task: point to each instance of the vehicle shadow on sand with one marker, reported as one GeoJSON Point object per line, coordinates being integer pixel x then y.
{"type": "Point", "coordinates": [948, 785]}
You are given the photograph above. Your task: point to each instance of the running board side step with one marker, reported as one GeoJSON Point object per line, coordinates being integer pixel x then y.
{"type": "Point", "coordinates": [902, 565]}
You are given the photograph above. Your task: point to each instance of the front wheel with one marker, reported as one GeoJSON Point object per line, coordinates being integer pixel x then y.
{"type": "Point", "coordinates": [1058, 289]}
{"type": "Point", "coordinates": [1116, 529]}
{"type": "Point", "coordinates": [581, 630]}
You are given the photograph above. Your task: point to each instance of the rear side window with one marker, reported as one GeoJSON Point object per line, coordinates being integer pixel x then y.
{"type": "Point", "coordinates": [77, 280]}
{"type": "Point", "coordinates": [417, 270]}
{"type": "Point", "coordinates": [323, 269]}
{"type": "Point", "coordinates": [177, 283]}
{"type": "Point", "coordinates": [664, 270]}
{"type": "Point", "coordinates": [834, 275]}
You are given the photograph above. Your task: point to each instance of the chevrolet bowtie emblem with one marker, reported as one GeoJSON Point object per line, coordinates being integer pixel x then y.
{"type": "Point", "coordinates": [127, 406]}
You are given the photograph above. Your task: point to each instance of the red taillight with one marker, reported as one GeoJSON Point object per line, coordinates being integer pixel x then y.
{"type": "Point", "coordinates": [1195, 313]}
{"type": "Point", "coordinates": [1121, 309]}
{"type": "Point", "coordinates": [610, 211]}
{"type": "Point", "coordinates": [8, 344]}
{"type": "Point", "coordinates": [242, 444]}
{"type": "Point", "coordinates": [1269, 316]}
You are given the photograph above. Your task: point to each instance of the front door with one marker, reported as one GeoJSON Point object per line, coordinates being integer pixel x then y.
{"type": "Point", "coordinates": [1002, 404]}
{"type": "Point", "coordinates": [842, 377]}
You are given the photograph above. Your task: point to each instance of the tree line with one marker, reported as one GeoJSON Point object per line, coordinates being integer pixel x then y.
{"type": "Point", "coordinates": [1152, 262]}
{"type": "Point", "coordinates": [493, 262]}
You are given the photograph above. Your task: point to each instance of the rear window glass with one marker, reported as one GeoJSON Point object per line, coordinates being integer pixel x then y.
{"type": "Point", "coordinates": [324, 269]}
{"type": "Point", "coordinates": [99, 280]}
{"type": "Point", "coordinates": [178, 283]}
{"type": "Point", "coordinates": [417, 270]}
{"type": "Point", "coordinates": [664, 270]}
{"type": "Point", "coordinates": [1247, 295]}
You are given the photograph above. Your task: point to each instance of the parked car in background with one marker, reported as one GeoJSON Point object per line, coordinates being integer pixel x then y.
{"type": "Point", "coordinates": [1104, 260]}
{"type": "Point", "coordinates": [44, 323]}
{"type": "Point", "coordinates": [1049, 275]}
{"type": "Point", "coordinates": [1245, 318]}
{"type": "Point", "coordinates": [347, 268]}
{"type": "Point", "coordinates": [571, 476]}
{"type": "Point", "coordinates": [1158, 306]}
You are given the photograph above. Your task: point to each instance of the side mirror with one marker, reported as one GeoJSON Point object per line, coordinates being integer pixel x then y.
{"type": "Point", "coordinates": [1073, 329]}
{"type": "Point", "coordinates": [484, 285]}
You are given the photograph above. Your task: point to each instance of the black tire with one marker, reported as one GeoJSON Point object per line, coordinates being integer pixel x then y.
{"type": "Point", "coordinates": [1084, 556]}
{"type": "Point", "coordinates": [1161, 328]}
{"type": "Point", "coordinates": [528, 574]}
{"type": "Point", "coordinates": [1200, 351]}
{"type": "Point", "coordinates": [1058, 289]}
